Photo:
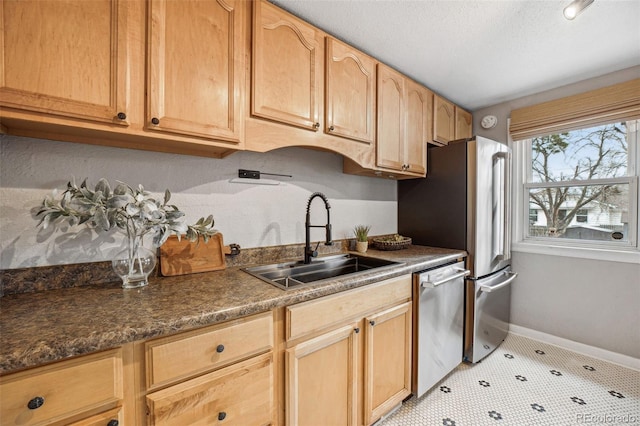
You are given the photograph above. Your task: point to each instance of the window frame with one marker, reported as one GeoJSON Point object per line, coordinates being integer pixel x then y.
{"type": "Point", "coordinates": [627, 251]}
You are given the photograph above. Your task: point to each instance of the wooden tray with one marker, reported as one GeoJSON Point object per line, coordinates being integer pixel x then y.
{"type": "Point", "coordinates": [184, 257]}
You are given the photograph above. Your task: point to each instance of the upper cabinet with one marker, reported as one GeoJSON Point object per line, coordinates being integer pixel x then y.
{"type": "Point", "coordinates": [85, 71]}
{"type": "Point", "coordinates": [287, 68]}
{"type": "Point", "coordinates": [66, 58]}
{"type": "Point", "coordinates": [403, 122]}
{"type": "Point", "coordinates": [443, 120]}
{"type": "Point", "coordinates": [464, 124]}
{"type": "Point", "coordinates": [196, 68]}
{"type": "Point", "coordinates": [350, 92]}
{"type": "Point", "coordinates": [450, 122]}
{"type": "Point", "coordinates": [418, 127]}
{"type": "Point", "coordinates": [208, 78]}
{"type": "Point", "coordinates": [391, 119]}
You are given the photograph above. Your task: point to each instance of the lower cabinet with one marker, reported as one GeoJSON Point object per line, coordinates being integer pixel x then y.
{"type": "Point", "coordinates": [241, 394]}
{"type": "Point", "coordinates": [348, 356]}
{"type": "Point", "coordinates": [342, 359]}
{"type": "Point", "coordinates": [387, 362]}
{"type": "Point", "coordinates": [221, 374]}
{"type": "Point", "coordinates": [322, 379]}
{"type": "Point", "coordinates": [87, 390]}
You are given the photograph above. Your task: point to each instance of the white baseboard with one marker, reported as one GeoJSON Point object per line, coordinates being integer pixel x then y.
{"type": "Point", "coordinates": [581, 348]}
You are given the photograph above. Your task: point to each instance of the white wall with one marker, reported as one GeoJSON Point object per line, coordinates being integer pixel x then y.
{"type": "Point", "coordinates": [588, 301]}
{"type": "Point", "coordinates": [250, 215]}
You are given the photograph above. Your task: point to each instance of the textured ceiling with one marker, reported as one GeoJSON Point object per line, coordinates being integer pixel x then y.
{"type": "Point", "coordinates": [479, 53]}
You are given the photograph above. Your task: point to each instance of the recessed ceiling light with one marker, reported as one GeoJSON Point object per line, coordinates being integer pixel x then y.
{"type": "Point", "coordinates": [575, 8]}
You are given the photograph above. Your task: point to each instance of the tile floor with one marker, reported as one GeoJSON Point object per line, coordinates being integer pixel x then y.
{"type": "Point", "coordinates": [526, 382]}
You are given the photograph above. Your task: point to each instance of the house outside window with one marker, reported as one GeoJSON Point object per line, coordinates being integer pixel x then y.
{"type": "Point", "coordinates": [580, 187]}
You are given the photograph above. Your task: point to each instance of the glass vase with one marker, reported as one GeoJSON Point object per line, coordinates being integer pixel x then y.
{"type": "Point", "coordinates": [134, 264]}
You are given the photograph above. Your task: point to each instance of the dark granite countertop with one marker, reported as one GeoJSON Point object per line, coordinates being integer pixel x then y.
{"type": "Point", "coordinates": [37, 328]}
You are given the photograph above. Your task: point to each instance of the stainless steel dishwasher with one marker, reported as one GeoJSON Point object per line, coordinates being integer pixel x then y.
{"type": "Point", "coordinates": [439, 313]}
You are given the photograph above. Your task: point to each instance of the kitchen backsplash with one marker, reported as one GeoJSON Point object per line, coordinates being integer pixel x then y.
{"type": "Point", "coordinates": [251, 215]}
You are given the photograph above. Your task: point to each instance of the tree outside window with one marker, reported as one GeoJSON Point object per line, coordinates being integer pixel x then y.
{"type": "Point", "coordinates": [578, 181]}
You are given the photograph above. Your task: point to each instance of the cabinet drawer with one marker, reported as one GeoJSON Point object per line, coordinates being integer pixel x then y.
{"type": "Point", "coordinates": [108, 418]}
{"type": "Point", "coordinates": [65, 389]}
{"type": "Point", "coordinates": [314, 315]}
{"type": "Point", "coordinates": [187, 354]}
{"type": "Point", "coordinates": [240, 394]}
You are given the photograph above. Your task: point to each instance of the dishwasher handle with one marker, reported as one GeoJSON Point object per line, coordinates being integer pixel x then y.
{"type": "Point", "coordinates": [433, 284]}
{"type": "Point", "coordinates": [489, 288]}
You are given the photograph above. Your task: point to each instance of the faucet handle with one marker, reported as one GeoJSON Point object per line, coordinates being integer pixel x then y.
{"type": "Point", "coordinates": [314, 252]}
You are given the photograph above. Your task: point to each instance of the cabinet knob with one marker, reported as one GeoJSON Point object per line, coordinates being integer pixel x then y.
{"type": "Point", "coordinates": [35, 403]}
{"type": "Point", "coordinates": [113, 422]}
{"type": "Point", "coordinates": [331, 129]}
{"type": "Point", "coordinates": [155, 121]}
{"type": "Point", "coordinates": [220, 348]}
{"type": "Point", "coordinates": [357, 330]}
{"type": "Point", "coordinates": [316, 125]}
{"type": "Point", "coordinates": [222, 415]}
{"type": "Point", "coordinates": [372, 322]}
{"type": "Point", "coordinates": [122, 116]}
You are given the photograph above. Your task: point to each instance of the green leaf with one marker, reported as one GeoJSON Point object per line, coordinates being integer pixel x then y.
{"type": "Point", "coordinates": [167, 196]}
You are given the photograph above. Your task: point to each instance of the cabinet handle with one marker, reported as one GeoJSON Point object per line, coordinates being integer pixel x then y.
{"type": "Point", "coordinates": [331, 129]}
{"type": "Point", "coordinates": [122, 116]}
{"type": "Point", "coordinates": [220, 348]}
{"type": "Point", "coordinates": [316, 126]}
{"type": "Point", "coordinates": [35, 403]}
{"type": "Point", "coordinates": [113, 423]}
{"type": "Point", "coordinates": [155, 121]}
{"type": "Point", "coordinates": [222, 415]}
{"type": "Point", "coordinates": [357, 330]}
{"type": "Point", "coordinates": [372, 322]}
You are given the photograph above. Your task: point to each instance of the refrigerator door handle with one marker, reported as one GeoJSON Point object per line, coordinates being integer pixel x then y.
{"type": "Point", "coordinates": [489, 289]}
{"type": "Point", "coordinates": [505, 252]}
{"type": "Point", "coordinates": [433, 284]}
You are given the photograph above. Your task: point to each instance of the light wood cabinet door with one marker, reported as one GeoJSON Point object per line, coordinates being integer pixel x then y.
{"type": "Point", "coordinates": [418, 126]}
{"type": "Point", "coordinates": [464, 124]}
{"type": "Point", "coordinates": [66, 58]}
{"type": "Point", "coordinates": [443, 120]}
{"type": "Point", "coordinates": [321, 384]}
{"type": "Point", "coordinates": [286, 69]}
{"type": "Point", "coordinates": [196, 68]}
{"type": "Point", "coordinates": [350, 92]}
{"type": "Point", "coordinates": [241, 394]}
{"type": "Point", "coordinates": [387, 350]}
{"type": "Point", "coordinates": [391, 119]}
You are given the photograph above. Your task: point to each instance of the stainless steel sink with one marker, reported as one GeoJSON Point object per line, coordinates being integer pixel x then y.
{"type": "Point", "coordinates": [289, 275]}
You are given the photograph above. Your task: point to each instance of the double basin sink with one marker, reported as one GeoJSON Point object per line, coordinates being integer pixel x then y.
{"type": "Point", "coordinates": [290, 275]}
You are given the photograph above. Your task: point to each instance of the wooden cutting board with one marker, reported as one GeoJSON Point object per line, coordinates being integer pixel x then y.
{"type": "Point", "coordinates": [184, 257]}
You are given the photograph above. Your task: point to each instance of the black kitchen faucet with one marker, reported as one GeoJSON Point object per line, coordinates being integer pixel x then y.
{"type": "Point", "coordinates": [308, 251]}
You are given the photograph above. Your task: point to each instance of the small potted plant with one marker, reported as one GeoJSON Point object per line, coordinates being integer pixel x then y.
{"type": "Point", "coordinates": [131, 211]}
{"type": "Point", "coordinates": [362, 241]}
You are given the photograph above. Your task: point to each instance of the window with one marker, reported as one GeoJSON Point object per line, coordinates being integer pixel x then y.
{"type": "Point", "coordinates": [576, 162]}
{"type": "Point", "coordinates": [579, 187]}
{"type": "Point", "coordinates": [582, 215]}
{"type": "Point", "coordinates": [574, 172]}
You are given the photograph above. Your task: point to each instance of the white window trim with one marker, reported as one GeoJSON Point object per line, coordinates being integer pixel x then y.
{"type": "Point", "coordinates": [520, 210]}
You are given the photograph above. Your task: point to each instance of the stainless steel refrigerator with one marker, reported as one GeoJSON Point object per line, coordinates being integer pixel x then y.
{"type": "Point", "coordinates": [464, 203]}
